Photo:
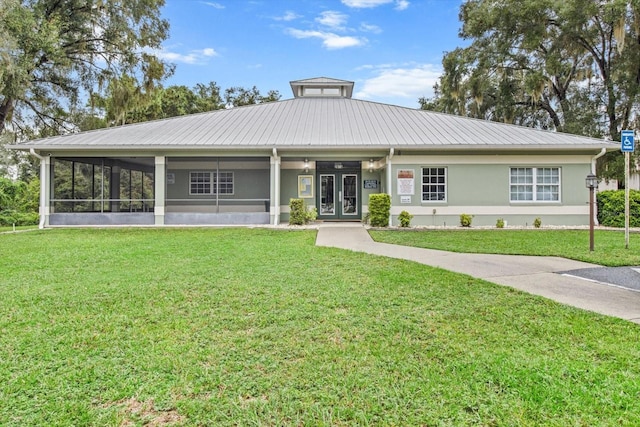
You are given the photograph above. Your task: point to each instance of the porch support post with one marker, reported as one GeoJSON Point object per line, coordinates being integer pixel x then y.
{"type": "Point", "coordinates": [46, 180]}
{"type": "Point", "coordinates": [45, 188]}
{"type": "Point", "coordinates": [160, 196]}
{"type": "Point", "coordinates": [275, 187]}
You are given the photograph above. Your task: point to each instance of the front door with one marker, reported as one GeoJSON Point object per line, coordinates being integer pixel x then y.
{"type": "Point", "coordinates": [338, 194]}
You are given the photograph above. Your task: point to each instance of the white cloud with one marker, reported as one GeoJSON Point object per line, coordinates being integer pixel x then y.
{"type": "Point", "coordinates": [288, 16]}
{"type": "Point", "coordinates": [330, 41]}
{"type": "Point", "coordinates": [209, 52]}
{"type": "Point", "coordinates": [192, 57]}
{"type": "Point", "coordinates": [332, 19]}
{"type": "Point", "coordinates": [402, 4]}
{"type": "Point", "coordinates": [362, 4]}
{"type": "Point", "coordinates": [213, 4]}
{"type": "Point", "coordinates": [370, 28]}
{"type": "Point", "coordinates": [409, 82]}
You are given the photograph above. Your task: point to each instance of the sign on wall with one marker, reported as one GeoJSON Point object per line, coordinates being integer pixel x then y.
{"type": "Point", "coordinates": [370, 184]}
{"type": "Point", "coordinates": [305, 186]}
{"type": "Point", "coordinates": [406, 182]}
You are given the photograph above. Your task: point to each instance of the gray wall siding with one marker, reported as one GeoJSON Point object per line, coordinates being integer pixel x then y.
{"type": "Point", "coordinates": [247, 184]}
{"type": "Point", "coordinates": [482, 190]}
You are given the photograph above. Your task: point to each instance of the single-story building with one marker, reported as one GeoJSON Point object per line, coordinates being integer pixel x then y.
{"type": "Point", "coordinates": [243, 165]}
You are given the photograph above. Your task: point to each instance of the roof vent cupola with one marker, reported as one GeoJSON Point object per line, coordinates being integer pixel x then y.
{"type": "Point", "coordinates": [322, 87]}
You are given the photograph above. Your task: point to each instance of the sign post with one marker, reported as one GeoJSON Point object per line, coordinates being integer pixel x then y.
{"type": "Point", "coordinates": [627, 146]}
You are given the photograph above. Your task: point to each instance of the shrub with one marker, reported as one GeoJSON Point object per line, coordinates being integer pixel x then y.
{"type": "Point", "coordinates": [298, 212]}
{"type": "Point", "coordinates": [311, 214]}
{"type": "Point", "coordinates": [19, 202]}
{"type": "Point", "coordinates": [365, 218]}
{"type": "Point", "coordinates": [611, 208]}
{"type": "Point", "coordinates": [379, 209]}
{"type": "Point", "coordinates": [465, 220]}
{"type": "Point", "coordinates": [405, 219]}
{"type": "Point", "coordinates": [537, 223]}
{"type": "Point", "coordinates": [10, 217]}
{"type": "Point", "coordinates": [500, 223]}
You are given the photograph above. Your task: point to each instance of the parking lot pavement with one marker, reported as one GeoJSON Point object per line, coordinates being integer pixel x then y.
{"type": "Point", "coordinates": [622, 277]}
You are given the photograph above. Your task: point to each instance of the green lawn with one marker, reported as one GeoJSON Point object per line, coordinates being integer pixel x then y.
{"type": "Point", "coordinates": [18, 228]}
{"type": "Point", "coordinates": [574, 244]}
{"type": "Point", "coordinates": [260, 327]}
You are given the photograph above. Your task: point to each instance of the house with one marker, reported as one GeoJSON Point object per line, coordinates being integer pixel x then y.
{"type": "Point", "coordinates": [243, 165]}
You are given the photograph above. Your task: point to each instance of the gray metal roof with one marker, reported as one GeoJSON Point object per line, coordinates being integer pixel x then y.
{"type": "Point", "coordinates": [319, 123]}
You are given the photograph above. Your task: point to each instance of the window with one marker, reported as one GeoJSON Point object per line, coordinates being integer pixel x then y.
{"type": "Point", "coordinates": [200, 183]}
{"type": "Point", "coordinates": [224, 184]}
{"type": "Point", "coordinates": [534, 184]}
{"type": "Point", "coordinates": [208, 182]}
{"type": "Point", "coordinates": [434, 184]}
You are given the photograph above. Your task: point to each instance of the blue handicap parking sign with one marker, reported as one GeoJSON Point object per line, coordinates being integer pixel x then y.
{"type": "Point", "coordinates": [627, 142]}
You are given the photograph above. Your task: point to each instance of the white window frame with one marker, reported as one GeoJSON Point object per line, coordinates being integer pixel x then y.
{"type": "Point", "coordinates": [538, 178]}
{"type": "Point", "coordinates": [192, 174]}
{"type": "Point", "coordinates": [217, 184]}
{"type": "Point", "coordinates": [213, 183]}
{"type": "Point", "coordinates": [445, 184]}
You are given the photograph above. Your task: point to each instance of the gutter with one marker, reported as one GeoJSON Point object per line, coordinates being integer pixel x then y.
{"type": "Point", "coordinates": [43, 184]}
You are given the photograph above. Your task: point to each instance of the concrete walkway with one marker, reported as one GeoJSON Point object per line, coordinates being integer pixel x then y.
{"type": "Point", "coordinates": [532, 274]}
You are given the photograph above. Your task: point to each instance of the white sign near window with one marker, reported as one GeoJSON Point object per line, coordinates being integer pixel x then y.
{"type": "Point", "coordinates": [406, 182]}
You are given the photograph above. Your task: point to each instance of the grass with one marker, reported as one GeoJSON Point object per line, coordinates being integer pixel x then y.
{"type": "Point", "coordinates": [18, 228]}
{"type": "Point", "coordinates": [260, 327]}
{"type": "Point", "coordinates": [609, 247]}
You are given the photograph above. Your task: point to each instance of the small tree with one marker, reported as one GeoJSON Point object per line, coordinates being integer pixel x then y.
{"type": "Point", "coordinates": [379, 209]}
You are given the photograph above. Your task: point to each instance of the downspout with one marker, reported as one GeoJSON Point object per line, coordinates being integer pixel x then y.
{"type": "Point", "coordinates": [276, 190]}
{"type": "Point", "coordinates": [389, 180]}
{"type": "Point", "coordinates": [43, 184]}
{"type": "Point", "coordinates": [596, 157]}
{"type": "Point", "coordinates": [593, 171]}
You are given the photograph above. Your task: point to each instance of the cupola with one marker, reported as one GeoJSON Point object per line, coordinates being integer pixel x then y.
{"type": "Point", "coordinates": [321, 87]}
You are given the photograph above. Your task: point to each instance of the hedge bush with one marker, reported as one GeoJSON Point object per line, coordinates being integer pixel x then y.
{"type": "Point", "coordinates": [19, 202]}
{"type": "Point", "coordinates": [611, 208]}
{"type": "Point", "coordinates": [379, 209]}
{"type": "Point", "coordinates": [300, 214]}
{"type": "Point", "coordinates": [405, 219]}
{"type": "Point", "coordinates": [297, 214]}
{"type": "Point", "coordinates": [465, 220]}
{"type": "Point", "coordinates": [11, 217]}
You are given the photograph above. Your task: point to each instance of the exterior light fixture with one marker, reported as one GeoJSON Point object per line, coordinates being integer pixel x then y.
{"type": "Point", "coordinates": [591, 183]}
{"type": "Point", "coordinates": [306, 165]}
{"type": "Point", "coordinates": [337, 165]}
{"type": "Point", "coordinates": [370, 165]}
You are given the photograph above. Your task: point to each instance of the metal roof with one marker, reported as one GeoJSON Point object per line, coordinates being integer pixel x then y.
{"type": "Point", "coordinates": [318, 123]}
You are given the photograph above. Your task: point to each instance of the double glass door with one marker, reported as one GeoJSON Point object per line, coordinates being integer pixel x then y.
{"type": "Point", "coordinates": [338, 195]}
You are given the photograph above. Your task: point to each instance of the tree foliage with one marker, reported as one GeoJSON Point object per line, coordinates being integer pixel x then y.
{"type": "Point", "coordinates": [19, 202]}
{"type": "Point", "coordinates": [240, 96]}
{"type": "Point", "coordinates": [53, 51]}
{"type": "Point", "coordinates": [125, 103]}
{"type": "Point", "coordinates": [571, 66]}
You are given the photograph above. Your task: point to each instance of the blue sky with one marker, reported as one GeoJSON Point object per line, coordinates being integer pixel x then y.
{"type": "Point", "coordinates": [391, 49]}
